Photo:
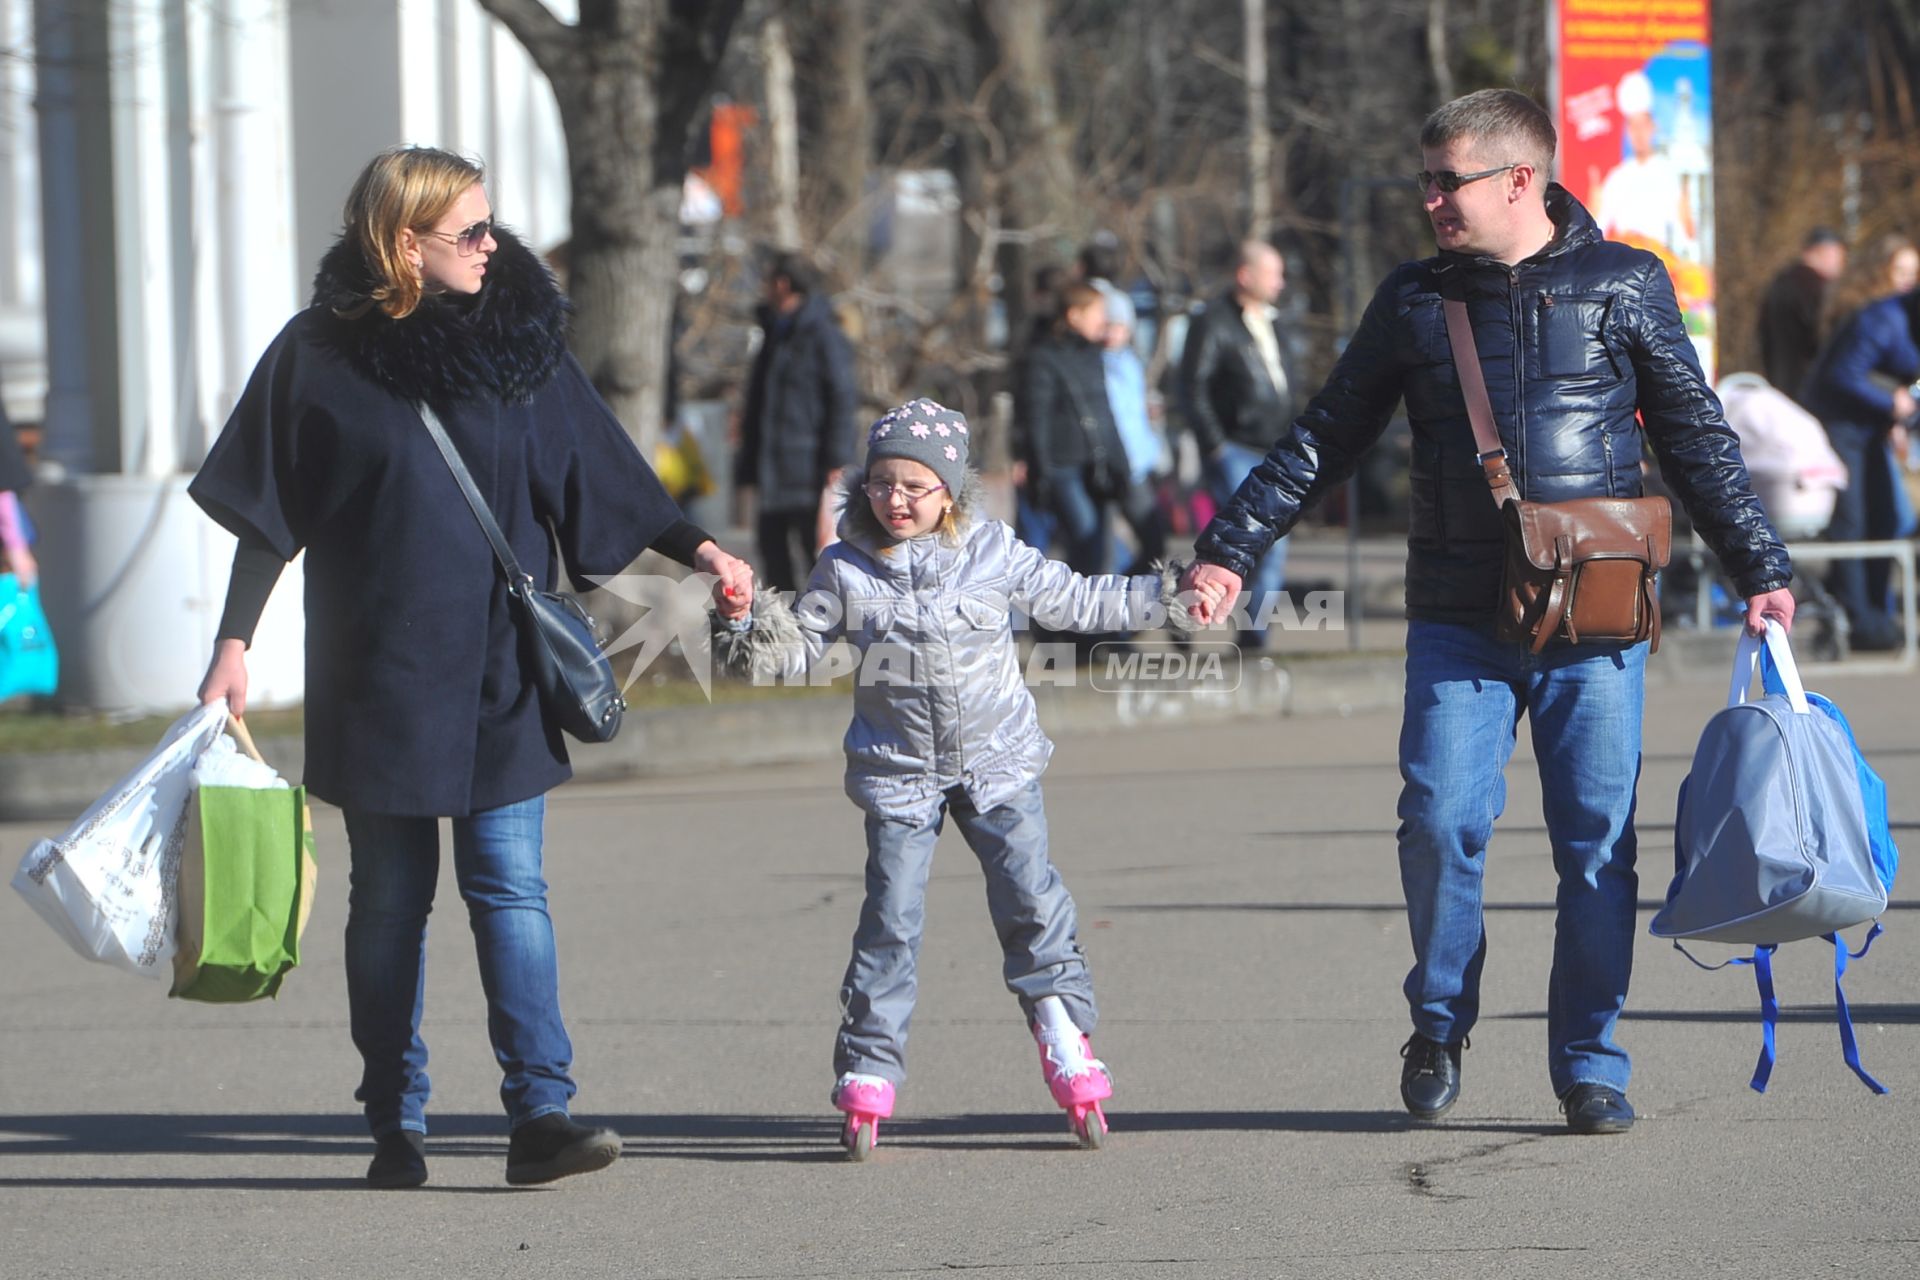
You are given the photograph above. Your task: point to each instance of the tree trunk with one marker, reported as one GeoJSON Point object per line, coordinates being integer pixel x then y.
{"type": "Point", "coordinates": [1036, 177]}
{"type": "Point", "coordinates": [846, 130]}
{"type": "Point", "coordinates": [629, 78]}
{"type": "Point", "coordinates": [1259, 137]}
{"type": "Point", "coordinates": [1437, 54]}
{"type": "Point", "coordinates": [783, 129]}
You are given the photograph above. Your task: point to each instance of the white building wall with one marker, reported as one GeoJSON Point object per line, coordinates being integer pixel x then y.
{"type": "Point", "coordinates": [190, 180]}
{"type": "Point", "coordinates": [23, 373]}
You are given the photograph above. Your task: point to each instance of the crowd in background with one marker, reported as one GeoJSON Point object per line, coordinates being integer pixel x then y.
{"type": "Point", "coordinates": [1837, 333]}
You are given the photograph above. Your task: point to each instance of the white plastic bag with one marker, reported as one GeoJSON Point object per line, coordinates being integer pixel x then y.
{"type": "Point", "coordinates": [107, 885]}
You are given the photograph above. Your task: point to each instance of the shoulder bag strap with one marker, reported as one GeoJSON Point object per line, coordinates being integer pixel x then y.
{"type": "Point", "coordinates": [1473, 385]}
{"type": "Point", "coordinates": [516, 577]}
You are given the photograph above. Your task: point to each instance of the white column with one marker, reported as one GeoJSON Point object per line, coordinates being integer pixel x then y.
{"type": "Point", "coordinates": [22, 324]}
{"type": "Point", "coordinates": [250, 270]}
{"type": "Point", "coordinates": [138, 341]}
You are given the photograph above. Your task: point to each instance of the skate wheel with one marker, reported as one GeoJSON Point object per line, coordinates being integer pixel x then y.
{"type": "Point", "coordinates": [1090, 1126]}
{"type": "Point", "coordinates": [859, 1137]}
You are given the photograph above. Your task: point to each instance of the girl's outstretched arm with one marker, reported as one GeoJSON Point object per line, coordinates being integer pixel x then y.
{"type": "Point", "coordinates": [1057, 597]}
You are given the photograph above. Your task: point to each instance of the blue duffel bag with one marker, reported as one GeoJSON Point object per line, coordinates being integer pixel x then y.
{"type": "Point", "coordinates": [1781, 834]}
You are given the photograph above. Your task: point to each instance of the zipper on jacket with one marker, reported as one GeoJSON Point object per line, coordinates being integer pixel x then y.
{"type": "Point", "coordinates": [1606, 449]}
{"type": "Point", "coordinates": [1518, 313]}
{"type": "Point", "coordinates": [953, 666]}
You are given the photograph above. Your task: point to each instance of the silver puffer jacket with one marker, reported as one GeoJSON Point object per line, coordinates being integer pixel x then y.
{"type": "Point", "coordinates": [939, 700]}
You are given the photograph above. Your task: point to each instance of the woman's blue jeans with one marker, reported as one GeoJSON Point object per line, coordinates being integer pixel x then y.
{"type": "Point", "coordinates": [496, 860]}
{"type": "Point", "coordinates": [1465, 694]}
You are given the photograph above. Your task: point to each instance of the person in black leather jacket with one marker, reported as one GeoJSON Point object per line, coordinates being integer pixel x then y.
{"type": "Point", "coordinates": [1236, 392]}
{"type": "Point", "coordinates": [1575, 334]}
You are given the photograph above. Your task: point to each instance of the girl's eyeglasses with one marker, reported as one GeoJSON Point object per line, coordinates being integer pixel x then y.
{"type": "Point", "coordinates": [468, 239]}
{"type": "Point", "coordinates": [879, 490]}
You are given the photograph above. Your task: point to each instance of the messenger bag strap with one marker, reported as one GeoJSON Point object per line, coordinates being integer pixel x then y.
{"type": "Point", "coordinates": [1473, 385]}
{"type": "Point", "coordinates": [481, 512]}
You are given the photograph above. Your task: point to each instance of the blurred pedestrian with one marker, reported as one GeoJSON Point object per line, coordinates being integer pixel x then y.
{"type": "Point", "coordinates": [16, 542]}
{"type": "Point", "coordinates": [1236, 391]}
{"type": "Point", "coordinates": [1076, 464]}
{"type": "Point", "coordinates": [796, 428]}
{"type": "Point", "coordinates": [1869, 338]}
{"type": "Point", "coordinates": [1146, 448]}
{"type": "Point", "coordinates": [1791, 309]}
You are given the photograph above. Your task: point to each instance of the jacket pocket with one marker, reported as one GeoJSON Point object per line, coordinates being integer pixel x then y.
{"type": "Point", "coordinates": [983, 611]}
{"type": "Point", "coordinates": [1569, 334]}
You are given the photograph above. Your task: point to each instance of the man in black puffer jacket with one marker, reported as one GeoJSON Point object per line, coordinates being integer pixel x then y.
{"type": "Point", "coordinates": [1575, 334]}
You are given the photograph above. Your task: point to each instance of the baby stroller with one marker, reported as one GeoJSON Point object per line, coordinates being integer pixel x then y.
{"type": "Point", "coordinates": [1797, 477]}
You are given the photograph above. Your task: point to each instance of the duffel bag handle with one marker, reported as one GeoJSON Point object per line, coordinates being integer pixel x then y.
{"type": "Point", "coordinates": [1746, 662]}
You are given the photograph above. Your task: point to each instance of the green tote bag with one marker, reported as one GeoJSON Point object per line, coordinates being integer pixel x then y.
{"type": "Point", "coordinates": [247, 878]}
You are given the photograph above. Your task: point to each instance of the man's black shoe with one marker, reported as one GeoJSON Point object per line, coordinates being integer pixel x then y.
{"type": "Point", "coordinates": [399, 1160]}
{"type": "Point", "coordinates": [1597, 1108]}
{"type": "Point", "coordinates": [1430, 1079]}
{"type": "Point", "coordinates": [554, 1147]}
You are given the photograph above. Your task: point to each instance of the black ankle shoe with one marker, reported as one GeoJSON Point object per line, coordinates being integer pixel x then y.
{"type": "Point", "coordinates": [1597, 1108]}
{"type": "Point", "coordinates": [399, 1160]}
{"type": "Point", "coordinates": [554, 1147]}
{"type": "Point", "coordinates": [1430, 1080]}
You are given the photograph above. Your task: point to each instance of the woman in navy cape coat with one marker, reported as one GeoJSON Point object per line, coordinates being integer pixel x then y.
{"type": "Point", "coordinates": [419, 703]}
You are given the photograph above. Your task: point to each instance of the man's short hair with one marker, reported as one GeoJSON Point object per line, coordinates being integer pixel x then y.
{"type": "Point", "coordinates": [1823, 235]}
{"type": "Point", "coordinates": [1251, 253]}
{"type": "Point", "coordinates": [1504, 126]}
{"type": "Point", "coordinates": [795, 270]}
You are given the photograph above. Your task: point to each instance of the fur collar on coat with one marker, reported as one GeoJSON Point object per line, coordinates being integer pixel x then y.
{"type": "Point", "coordinates": [504, 342]}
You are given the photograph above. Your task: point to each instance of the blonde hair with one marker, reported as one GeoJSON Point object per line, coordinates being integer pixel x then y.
{"type": "Point", "coordinates": [402, 188]}
{"type": "Point", "coordinates": [1865, 280]}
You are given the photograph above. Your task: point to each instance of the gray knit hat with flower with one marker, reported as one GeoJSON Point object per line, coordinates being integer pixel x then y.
{"type": "Point", "coordinates": [927, 433]}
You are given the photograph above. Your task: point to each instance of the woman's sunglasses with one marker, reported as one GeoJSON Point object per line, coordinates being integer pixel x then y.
{"type": "Point", "coordinates": [468, 239]}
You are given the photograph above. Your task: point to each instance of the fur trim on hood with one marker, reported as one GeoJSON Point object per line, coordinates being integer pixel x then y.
{"type": "Point", "coordinates": [504, 342]}
{"type": "Point", "coordinates": [860, 526]}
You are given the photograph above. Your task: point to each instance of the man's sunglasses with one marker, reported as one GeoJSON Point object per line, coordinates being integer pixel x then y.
{"type": "Point", "coordinates": [468, 239]}
{"type": "Point", "coordinates": [1449, 181]}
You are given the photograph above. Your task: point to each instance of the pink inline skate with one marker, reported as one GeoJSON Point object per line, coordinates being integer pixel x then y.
{"type": "Point", "coordinates": [1078, 1080]}
{"type": "Point", "coordinates": [867, 1100]}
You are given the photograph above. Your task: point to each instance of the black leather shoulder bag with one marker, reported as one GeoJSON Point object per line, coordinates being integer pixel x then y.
{"type": "Point", "coordinates": [573, 676]}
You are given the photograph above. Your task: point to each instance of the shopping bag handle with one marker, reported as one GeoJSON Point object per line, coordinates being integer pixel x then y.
{"type": "Point", "coordinates": [238, 728]}
{"type": "Point", "coordinates": [1746, 659]}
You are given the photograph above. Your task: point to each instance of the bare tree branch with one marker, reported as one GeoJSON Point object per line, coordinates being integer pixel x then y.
{"type": "Point", "coordinates": [547, 40]}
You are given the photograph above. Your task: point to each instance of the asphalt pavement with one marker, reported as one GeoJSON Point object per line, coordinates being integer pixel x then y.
{"type": "Point", "coordinates": [1239, 900]}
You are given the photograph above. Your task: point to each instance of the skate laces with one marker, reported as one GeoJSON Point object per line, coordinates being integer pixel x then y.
{"type": "Point", "coordinates": [855, 1080]}
{"type": "Point", "coordinates": [1066, 1051]}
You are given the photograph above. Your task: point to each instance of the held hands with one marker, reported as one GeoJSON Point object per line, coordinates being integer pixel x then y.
{"type": "Point", "coordinates": [1777, 605]}
{"type": "Point", "coordinates": [227, 676]}
{"type": "Point", "coordinates": [1213, 589]}
{"type": "Point", "coordinates": [733, 590]}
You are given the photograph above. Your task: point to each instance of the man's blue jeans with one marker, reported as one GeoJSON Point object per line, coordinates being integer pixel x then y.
{"type": "Point", "coordinates": [496, 860]}
{"type": "Point", "coordinates": [1465, 695]}
{"type": "Point", "coordinates": [1031, 910]}
{"type": "Point", "coordinates": [1225, 474]}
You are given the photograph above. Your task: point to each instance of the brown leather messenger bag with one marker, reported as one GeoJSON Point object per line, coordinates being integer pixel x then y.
{"type": "Point", "coordinates": [1582, 571]}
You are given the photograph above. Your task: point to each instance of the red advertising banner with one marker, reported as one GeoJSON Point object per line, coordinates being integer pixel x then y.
{"type": "Point", "coordinates": [1635, 111]}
